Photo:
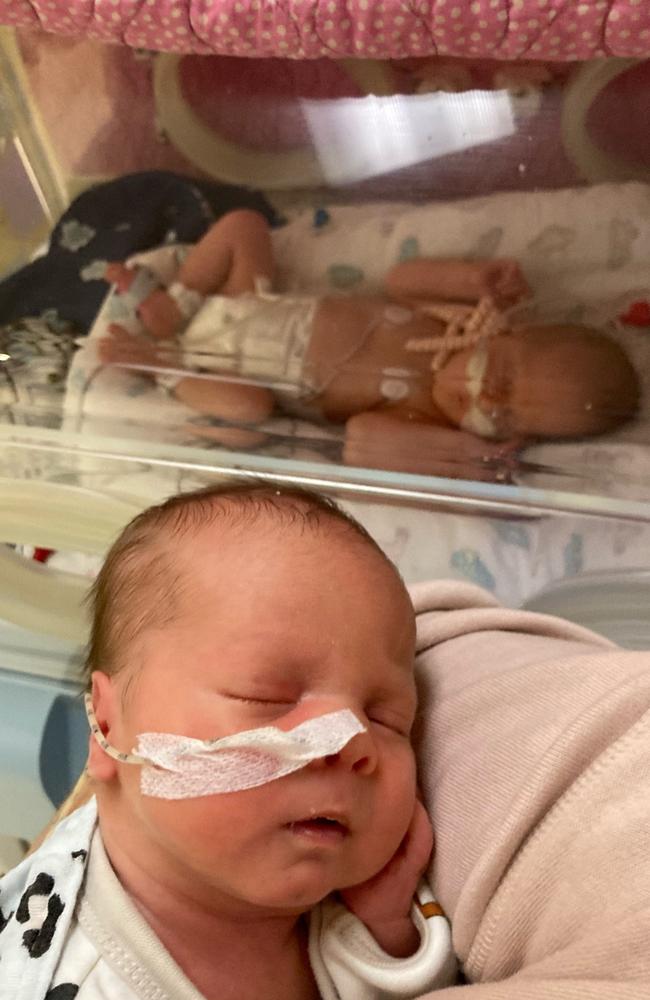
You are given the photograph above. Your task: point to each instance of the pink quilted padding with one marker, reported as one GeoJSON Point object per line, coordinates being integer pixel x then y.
{"type": "Point", "coordinates": [501, 29]}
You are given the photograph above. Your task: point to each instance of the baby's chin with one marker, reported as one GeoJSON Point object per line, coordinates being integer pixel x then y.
{"type": "Point", "coordinates": [289, 896]}
{"type": "Point", "coordinates": [304, 887]}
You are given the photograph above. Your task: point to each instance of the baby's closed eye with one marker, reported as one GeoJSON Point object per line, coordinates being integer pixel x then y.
{"type": "Point", "coordinates": [398, 720]}
{"type": "Point", "coordinates": [258, 699]}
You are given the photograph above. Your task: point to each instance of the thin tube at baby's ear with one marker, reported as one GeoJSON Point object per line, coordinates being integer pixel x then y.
{"type": "Point", "coordinates": [123, 758]}
{"type": "Point", "coordinates": [180, 767]}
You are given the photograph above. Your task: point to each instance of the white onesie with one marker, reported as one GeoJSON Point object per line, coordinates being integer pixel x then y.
{"type": "Point", "coordinates": [112, 952]}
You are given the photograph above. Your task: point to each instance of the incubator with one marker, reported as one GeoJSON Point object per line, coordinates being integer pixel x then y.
{"type": "Point", "coordinates": [360, 166]}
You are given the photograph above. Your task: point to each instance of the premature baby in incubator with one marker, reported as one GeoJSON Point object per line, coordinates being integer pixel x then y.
{"type": "Point", "coordinates": [259, 832]}
{"type": "Point", "coordinates": [435, 376]}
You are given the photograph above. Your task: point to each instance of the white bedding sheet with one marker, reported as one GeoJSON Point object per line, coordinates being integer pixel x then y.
{"type": "Point", "coordinates": [585, 253]}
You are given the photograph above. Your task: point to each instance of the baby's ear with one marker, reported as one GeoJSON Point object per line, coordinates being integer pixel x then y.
{"type": "Point", "coordinates": [105, 706]}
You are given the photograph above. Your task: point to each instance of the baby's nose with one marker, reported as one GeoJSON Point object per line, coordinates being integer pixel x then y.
{"type": "Point", "coordinates": [358, 755]}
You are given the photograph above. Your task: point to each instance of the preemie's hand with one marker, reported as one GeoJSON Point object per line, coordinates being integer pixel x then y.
{"type": "Point", "coordinates": [504, 281]}
{"type": "Point", "coordinates": [383, 903]}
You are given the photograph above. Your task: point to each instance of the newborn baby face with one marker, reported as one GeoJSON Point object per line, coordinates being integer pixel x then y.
{"type": "Point", "coordinates": [514, 386]}
{"type": "Point", "coordinates": [281, 623]}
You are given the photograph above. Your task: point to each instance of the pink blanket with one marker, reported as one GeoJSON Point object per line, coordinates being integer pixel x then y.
{"type": "Point", "coordinates": [499, 29]}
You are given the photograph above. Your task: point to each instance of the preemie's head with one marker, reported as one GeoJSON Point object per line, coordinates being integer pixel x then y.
{"type": "Point", "coordinates": [571, 381]}
{"type": "Point", "coordinates": [550, 381]}
{"type": "Point", "coordinates": [247, 606]}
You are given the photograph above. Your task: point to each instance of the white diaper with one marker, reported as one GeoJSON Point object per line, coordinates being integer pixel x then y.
{"type": "Point", "coordinates": [257, 336]}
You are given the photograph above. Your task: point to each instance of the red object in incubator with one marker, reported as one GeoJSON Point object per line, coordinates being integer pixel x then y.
{"type": "Point", "coordinates": [42, 555]}
{"type": "Point", "coordinates": [638, 314]}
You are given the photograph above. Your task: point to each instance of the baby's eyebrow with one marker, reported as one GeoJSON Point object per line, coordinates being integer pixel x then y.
{"type": "Point", "coordinates": [277, 651]}
{"type": "Point", "coordinates": [281, 677]}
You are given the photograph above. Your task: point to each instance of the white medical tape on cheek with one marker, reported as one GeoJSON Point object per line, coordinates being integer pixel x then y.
{"type": "Point", "coordinates": [186, 768]}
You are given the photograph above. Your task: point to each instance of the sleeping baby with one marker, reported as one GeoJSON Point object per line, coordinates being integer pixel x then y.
{"type": "Point", "coordinates": [255, 830]}
{"type": "Point", "coordinates": [436, 376]}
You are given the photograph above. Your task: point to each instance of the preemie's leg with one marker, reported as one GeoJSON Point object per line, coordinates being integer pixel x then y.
{"type": "Point", "coordinates": [236, 438]}
{"type": "Point", "coordinates": [247, 404]}
{"type": "Point", "coordinates": [233, 253]}
{"type": "Point", "coordinates": [227, 261]}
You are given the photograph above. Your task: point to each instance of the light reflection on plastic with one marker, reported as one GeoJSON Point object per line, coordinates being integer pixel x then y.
{"type": "Point", "coordinates": [355, 138]}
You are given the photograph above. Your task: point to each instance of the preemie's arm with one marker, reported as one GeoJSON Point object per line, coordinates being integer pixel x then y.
{"type": "Point", "coordinates": [242, 438]}
{"type": "Point", "coordinates": [456, 280]}
{"type": "Point", "coordinates": [247, 404]}
{"type": "Point", "coordinates": [383, 440]}
{"type": "Point", "coordinates": [428, 278]}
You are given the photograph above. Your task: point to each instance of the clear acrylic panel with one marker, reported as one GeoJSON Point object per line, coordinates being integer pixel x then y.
{"type": "Point", "coordinates": [453, 338]}
{"type": "Point", "coordinates": [538, 404]}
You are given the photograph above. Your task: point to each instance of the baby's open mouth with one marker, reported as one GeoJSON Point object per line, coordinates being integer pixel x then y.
{"type": "Point", "coordinates": [324, 828]}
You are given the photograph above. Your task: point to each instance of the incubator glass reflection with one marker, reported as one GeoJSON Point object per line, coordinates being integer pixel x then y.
{"type": "Point", "coordinates": [385, 320]}
{"type": "Point", "coordinates": [439, 365]}
{"type": "Point", "coordinates": [417, 379]}
{"type": "Point", "coordinates": [358, 138]}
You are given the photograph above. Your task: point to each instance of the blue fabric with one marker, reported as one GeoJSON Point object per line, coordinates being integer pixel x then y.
{"type": "Point", "coordinates": [110, 222]}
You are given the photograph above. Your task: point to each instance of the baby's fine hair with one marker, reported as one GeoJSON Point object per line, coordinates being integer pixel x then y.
{"type": "Point", "coordinates": [599, 371]}
{"type": "Point", "coordinates": [140, 585]}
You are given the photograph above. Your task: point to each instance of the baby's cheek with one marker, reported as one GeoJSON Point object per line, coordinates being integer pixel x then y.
{"type": "Point", "coordinates": [400, 794]}
{"type": "Point", "coordinates": [200, 829]}
{"type": "Point", "coordinates": [396, 804]}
